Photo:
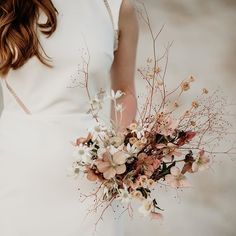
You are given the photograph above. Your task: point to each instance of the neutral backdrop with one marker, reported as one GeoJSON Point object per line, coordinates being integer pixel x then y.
{"type": "Point", "coordinates": [203, 34]}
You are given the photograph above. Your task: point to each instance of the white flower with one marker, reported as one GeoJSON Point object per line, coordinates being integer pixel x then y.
{"type": "Point", "coordinates": [124, 195]}
{"type": "Point", "coordinates": [117, 94]}
{"type": "Point", "coordinates": [116, 141]}
{"type": "Point", "coordinates": [113, 149]}
{"type": "Point", "coordinates": [176, 179]}
{"type": "Point", "coordinates": [132, 150]}
{"type": "Point", "coordinates": [146, 207]}
{"type": "Point", "coordinates": [201, 162]}
{"type": "Point", "coordinates": [100, 152]}
{"type": "Point", "coordinates": [105, 192]}
{"type": "Point", "coordinates": [75, 169]}
{"type": "Point", "coordinates": [139, 130]}
{"type": "Point", "coordinates": [119, 107]}
{"type": "Point", "coordinates": [83, 154]}
{"type": "Point", "coordinates": [97, 131]}
{"type": "Point", "coordinates": [96, 103]}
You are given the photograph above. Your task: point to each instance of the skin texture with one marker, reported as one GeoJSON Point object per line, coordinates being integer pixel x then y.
{"type": "Point", "coordinates": [124, 64]}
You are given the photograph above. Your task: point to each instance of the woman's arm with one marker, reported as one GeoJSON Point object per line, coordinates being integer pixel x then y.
{"type": "Point", "coordinates": [123, 67]}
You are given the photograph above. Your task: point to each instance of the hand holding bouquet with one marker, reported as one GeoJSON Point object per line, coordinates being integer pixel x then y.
{"type": "Point", "coordinates": [162, 146]}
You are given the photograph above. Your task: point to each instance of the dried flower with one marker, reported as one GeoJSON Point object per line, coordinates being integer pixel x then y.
{"type": "Point", "coordinates": [176, 179]}
{"type": "Point", "coordinates": [151, 183]}
{"type": "Point", "coordinates": [124, 195]}
{"type": "Point", "coordinates": [191, 78]}
{"type": "Point", "coordinates": [205, 91]}
{"type": "Point", "coordinates": [143, 140]}
{"type": "Point", "coordinates": [169, 151]}
{"type": "Point", "coordinates": [147, 207]}
{"type": "Point", "coordinates": [119, 107]}
{"type": "Point", "coordinates": [176, 104]}
{"type": "Point", "coordinates": [157, 70]}
{"type": "Point", "coordinates": [133, 126]}
{"type": "Point", "coordinates": [91, 175]}
{"type": "Point", "coordinates": [156, 216]}
{"type": "Point", "coordinates": [83, 154]}
{"type": "Point", "coordinates": [96, 104]}
{"type": "Point", "coordinates": [137, 195]}
{"type": "Point", "coordinates": [132, 150]}
{"type": "Point", "coordinates": [116, 141]}
{"type": "Point", "coordinates": [201, 162]}
{"type": "Point", "coordinates": [167, 126]}
{"type": "Point", "coordinates": [117, 94]}
{"type": "Point", "coordinates": [185, 86]}
{"type": "Point", "coordinates": [195, 104]}
{"type": "Point", "coordinates": [132, 140]}
{"type": "Point", "coordinates": [147, 164]}
{"type": "Point", "coordinates": [111, 165]}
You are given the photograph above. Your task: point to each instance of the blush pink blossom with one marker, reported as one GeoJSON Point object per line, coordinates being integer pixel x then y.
{"type": "Point", "coordinates": [169, 150]}
{"type": "Point", "coordinates": [147, 164]}
{"type": "Point", "coordinates": [167, 126]}
{"type": "Point", "coordinates": [201, 163]}
{"type": "Point", "coordinates": [110, 165]}
{"type": "Point", "coordinates": [176, 179]}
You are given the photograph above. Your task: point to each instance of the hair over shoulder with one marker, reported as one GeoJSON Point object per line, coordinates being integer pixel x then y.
{"type": "Point", "coordinates": [18, 35]}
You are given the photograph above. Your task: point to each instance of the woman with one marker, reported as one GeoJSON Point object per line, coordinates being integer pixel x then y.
{"type": "Point", "coordinates": [46, 83]}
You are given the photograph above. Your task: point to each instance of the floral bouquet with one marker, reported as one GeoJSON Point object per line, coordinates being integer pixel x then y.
{"type": "Point", "coordinates": [162, 146]}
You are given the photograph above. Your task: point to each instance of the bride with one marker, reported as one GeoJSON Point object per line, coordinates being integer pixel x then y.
{"type": "Point", "coordinates": [53, 54]}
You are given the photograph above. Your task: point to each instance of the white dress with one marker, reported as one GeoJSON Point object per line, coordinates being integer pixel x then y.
{"type": "Point", "coordinates": [37, 196]}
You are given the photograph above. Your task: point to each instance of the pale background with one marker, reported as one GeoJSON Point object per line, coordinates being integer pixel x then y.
{"type": "Point", "coordinates": [204, 45]}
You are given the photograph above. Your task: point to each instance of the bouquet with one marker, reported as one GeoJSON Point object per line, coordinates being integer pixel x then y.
{"type": "Point", "coordinates": [161, 147]}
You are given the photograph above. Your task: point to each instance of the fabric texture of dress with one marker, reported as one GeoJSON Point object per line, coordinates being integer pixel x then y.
{"type": "Point", "coordinates": [37, 197]}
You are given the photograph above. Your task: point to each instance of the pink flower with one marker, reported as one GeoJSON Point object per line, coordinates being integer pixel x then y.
{"type": "Point", "coordinates": [176, 179]}
{"type": "Point", "coordinates": [147, 164]}
{"type": "Point", "coordinates": [167, 126]}
{"type": "Point", "coordinates": [156, 216]}
{"type": "Point", "coordinates": [188, 136]}
{"type": "Point", "coordinates": [91, 175]}
{"type": "Point", "coordinates": [201, 162]}
{"type": "Point", "coordinates": [169, 150]}
{"type": "Point", "coordinates": [110, 165]}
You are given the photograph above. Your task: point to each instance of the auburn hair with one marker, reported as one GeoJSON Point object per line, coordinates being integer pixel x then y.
{"type": "Point", "coordinates": [18, 31]}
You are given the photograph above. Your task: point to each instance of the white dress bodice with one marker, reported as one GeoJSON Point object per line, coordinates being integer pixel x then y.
{"type": "Point", "coordinates": [84, 34]}
{"type": "Point", "coordinates": [37, 197]}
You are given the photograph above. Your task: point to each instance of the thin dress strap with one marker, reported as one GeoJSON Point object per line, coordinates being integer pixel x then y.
{"type": "Point", "coordinates": [113, 11]}
{"type": "Point", "coordinates": [18, 100]}
{"type": "Point", "coordinates": [114, 20]}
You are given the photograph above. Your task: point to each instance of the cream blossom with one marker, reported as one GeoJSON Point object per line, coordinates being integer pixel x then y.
{"type": "Point", "coordinates": [115, 95]}
{"type": "Point", "coordinates": [124, 196]}
{"type": "Point", "coordinates": [112, 164]}
{"type": "Point", "coordinates": [169, 150]}
{"type": "Point", "coordinates": [98, 131]}
{"type": "Point", "coordinates": [132, 150]}
{"type": "Point", "coordinates": [176, 179]}
{"type": "Point", "coordinates": [201, 162]}
{"type": "Point", "coordinates": [119, 107]}
{"type": "Point", "coordinates": [96, 104]}
{"type": "Point", "coordinates": [75, 170]}
{"type": "Point", "coordinates": [167, 126]}
{"type": "Point", "coordinates": [185, 86]}
{"type": "Point", "coordinates": [139, 130]}
{"type": "Point", "coordinates": [147, 207]}
{"type": "Point", "coordinates": [83, 153]}
{"type": "Point", "coordinates": [116, 141]}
